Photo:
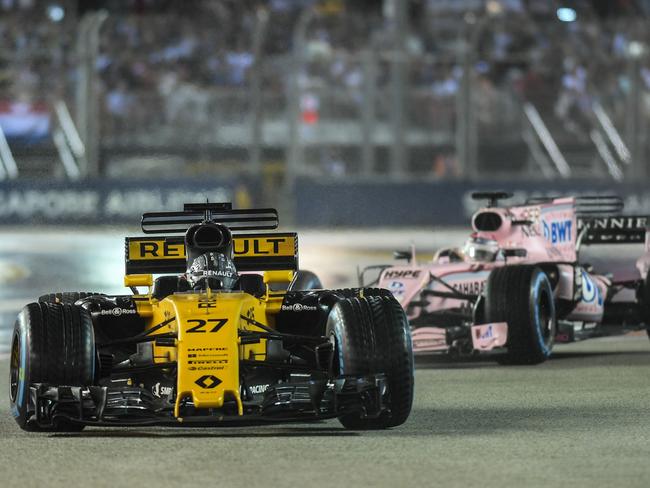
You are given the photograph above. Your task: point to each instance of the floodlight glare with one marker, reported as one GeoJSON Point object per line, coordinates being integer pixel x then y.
{"type": "Point", "coordinates": [566, 14]}
{"type": "Point", "coordinates": [55, 13]}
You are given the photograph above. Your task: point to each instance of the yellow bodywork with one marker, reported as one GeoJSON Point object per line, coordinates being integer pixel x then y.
{"type": "Point", "coordinates": [208, 350]}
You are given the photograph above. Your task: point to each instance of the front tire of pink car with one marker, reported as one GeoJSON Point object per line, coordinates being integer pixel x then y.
{"type": "Point", "coordinates": [523, 297]}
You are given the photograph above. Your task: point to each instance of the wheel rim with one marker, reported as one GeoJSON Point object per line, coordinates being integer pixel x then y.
{"type": "Point", "coordinates": [545, 317]}
{"type": "Point", "coordinates": [335, 366]}
{"type": "Point", "coordinates": [14, 368]}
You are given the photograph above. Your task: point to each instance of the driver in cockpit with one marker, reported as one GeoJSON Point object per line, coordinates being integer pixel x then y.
{"type": "Point", "coordinates": [476, 249]}
{"type": "Point", "coordinates": [481, 249]}
{"type": "Point", "coordinates": [212, 270]}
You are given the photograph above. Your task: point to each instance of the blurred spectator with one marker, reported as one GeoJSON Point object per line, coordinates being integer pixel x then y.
{"type": "Point", "coordinates": [238, 62]}
{"type": "Point", "coordinates": [574, 102]}
{"type": "Point", "coordinates": [192, 62]}
{"type": "Point", "coordinates": [119, 105]}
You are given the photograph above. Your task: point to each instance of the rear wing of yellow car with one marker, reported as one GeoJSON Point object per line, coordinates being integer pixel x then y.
{"type": "Point", "coordinates": [221, 213]}
{"type": "Point", "coordinates": [265, 251]}
{"type": "Point", "coordinates": [252, 252]}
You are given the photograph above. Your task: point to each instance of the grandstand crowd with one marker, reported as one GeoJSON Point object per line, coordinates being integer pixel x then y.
{"type": "Point", "coordinates": [156, 62]}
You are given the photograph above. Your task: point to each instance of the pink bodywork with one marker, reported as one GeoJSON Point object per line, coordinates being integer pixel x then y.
{"type": "Point", "coordinates": [484, 338]}
{"type": "Point", "coordinates": [548, 232]}
{"type": "Point", "coordinates": [643, 263]}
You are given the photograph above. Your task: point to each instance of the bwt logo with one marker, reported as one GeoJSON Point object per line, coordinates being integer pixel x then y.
{"type": "Point", "coordinates": [558, 232]}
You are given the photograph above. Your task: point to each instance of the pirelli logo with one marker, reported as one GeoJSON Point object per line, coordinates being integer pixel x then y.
{"type": "Point", "coordinates": [243, 246]}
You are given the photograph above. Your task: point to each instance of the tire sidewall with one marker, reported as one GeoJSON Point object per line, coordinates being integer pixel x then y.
{"type": "Point", "coordinates": [540, 289]}
{"type": "Point", "coordinates": [34, 351]}
{"type": "Point", "coordinates": [368, 341]}
{"type": "Point", "coordinates": [20, 405]}
{"type": "Point", "coordinates": [336, 331]}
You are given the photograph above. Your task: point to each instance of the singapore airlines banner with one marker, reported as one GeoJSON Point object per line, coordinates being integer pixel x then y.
{"type": "Point", "coordinates": [316, 203]}
{"type": "Point", "coordinates": [111, 202]}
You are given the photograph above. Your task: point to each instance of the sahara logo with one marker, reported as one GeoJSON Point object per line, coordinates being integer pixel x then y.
{"type": "Point", "coordinates": [470, 287]}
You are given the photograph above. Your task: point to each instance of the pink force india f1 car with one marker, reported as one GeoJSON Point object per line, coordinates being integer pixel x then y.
{"type": "Point", "coordinates": [518, 286]}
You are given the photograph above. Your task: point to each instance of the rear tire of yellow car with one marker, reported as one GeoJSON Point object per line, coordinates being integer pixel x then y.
{"type": "Point", "coordinates": [68, 297]}
{"type": "Point", "coordinates": [363, 292]}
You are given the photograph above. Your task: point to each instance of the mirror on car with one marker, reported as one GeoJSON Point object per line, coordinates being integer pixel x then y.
{"type": "Point", "coordinates": [407, 255]}
{"type": "Point", "coordinates": [515, 253]}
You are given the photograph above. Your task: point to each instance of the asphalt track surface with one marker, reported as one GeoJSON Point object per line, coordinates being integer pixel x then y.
{"type": "Point", "coordinates": [581, 419]}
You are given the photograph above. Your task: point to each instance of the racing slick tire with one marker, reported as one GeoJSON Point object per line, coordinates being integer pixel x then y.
{"type": "Point", "coordinates": [304, 281]}
{"type": "Point", "coordinates": [523, 297]}
{"type": "Point", "coordinates": [68, 297]}
{"type": "Point", "coordinates": [371, 335]}
{"type": "Point", "coordinates": [363, 292]}
{"type": "Point", "coordinates": [52, 343]}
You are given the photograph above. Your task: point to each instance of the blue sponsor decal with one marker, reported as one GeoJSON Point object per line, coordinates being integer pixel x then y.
{"type": "Point", "coordinates": [558, 232]}
{"type": "Point", "coordinates": [590, 291]}
{"type": "Point", "coordinates": [488, 333]}
{"type": "Point", "coordinates": [396, 288]}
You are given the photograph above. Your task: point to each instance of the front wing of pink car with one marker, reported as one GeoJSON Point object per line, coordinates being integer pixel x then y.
{"type": "Point", "coordinates": [485, 337]}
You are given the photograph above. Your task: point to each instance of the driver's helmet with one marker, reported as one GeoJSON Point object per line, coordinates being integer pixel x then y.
{"type": "Point", "coordinates": [212, 270]}
{"type": "Point", "coordinates": [481, 249]}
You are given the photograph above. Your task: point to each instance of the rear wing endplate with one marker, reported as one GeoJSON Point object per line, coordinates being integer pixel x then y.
{"type": "Point", "coordinates": [252, 252]}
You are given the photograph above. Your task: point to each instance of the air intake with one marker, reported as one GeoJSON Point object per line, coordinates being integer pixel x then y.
{"type": "Point", "coordinates": [487, 221]}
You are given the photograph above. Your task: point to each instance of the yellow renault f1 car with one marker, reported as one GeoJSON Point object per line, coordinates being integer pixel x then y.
{"type": "Point", "coordinates": [222, 335]}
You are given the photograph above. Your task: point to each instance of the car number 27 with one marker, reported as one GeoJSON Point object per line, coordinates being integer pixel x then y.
{"type": "Point", "coordinates": [215, 324]}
